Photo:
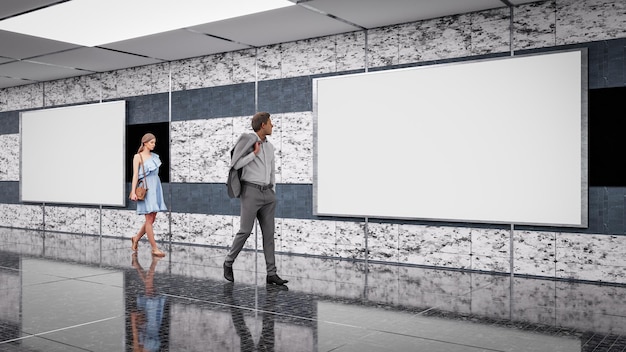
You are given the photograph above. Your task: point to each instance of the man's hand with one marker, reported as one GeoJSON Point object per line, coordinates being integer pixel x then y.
{"type": "Point", "coordinates": [257, 148]}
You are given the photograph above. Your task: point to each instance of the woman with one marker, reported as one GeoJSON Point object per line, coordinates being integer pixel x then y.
{"type": "Point", "coordinates": [145, 161]}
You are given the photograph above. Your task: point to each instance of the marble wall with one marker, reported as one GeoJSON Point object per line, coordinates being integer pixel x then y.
{"type": "Point", "coordinates": [199, 147]}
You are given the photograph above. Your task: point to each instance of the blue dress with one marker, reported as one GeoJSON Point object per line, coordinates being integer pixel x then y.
{"type": "Point", "coordinates": [154, 201]}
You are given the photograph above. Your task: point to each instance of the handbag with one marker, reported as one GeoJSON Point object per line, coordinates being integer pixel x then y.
{"type": "Point", "coordinates": [142, 187]}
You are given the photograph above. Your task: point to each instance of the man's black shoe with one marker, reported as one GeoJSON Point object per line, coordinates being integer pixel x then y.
{"type": "Point", "coordinates": [274, 279]}
{"type": "Point", "coordinates": [228, 273]}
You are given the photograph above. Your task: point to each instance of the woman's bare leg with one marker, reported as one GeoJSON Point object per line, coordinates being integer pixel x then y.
{"type": "Point", "coordinates": [135, 239]}
{"type": "Point", "coordinates": [141, 232]}
{"type": "Point", "coordinates": [150, 232]}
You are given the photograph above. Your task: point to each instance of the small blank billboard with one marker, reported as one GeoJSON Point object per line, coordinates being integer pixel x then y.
{"type": "Point", "coordinates": [74, 155]}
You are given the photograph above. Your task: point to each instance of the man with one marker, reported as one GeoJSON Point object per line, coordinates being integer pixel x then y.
{"type": "Point", "coordinates": [252, 178]}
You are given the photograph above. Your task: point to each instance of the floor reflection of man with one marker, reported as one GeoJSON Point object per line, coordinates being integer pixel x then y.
{"type": "Point", "coordinates": [267, 339]}
{"type": "Point", "coordinates": [146, 314]}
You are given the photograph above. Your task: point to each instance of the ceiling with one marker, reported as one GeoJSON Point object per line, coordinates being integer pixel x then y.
{"type": "Point", "coordinates": [26, 59]}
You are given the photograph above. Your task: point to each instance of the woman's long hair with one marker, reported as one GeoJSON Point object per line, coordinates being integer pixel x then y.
{"type": "Point", "coordinates": [145, 139]}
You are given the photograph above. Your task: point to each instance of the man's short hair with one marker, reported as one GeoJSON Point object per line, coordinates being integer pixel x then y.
{"type": "Point", "coordinates": [259, 119]}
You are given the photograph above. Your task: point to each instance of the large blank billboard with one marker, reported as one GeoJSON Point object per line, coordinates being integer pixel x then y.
{"type": "Point", "coordinates": [493, 141]}
{"type": "Point", "coordinates": [74, 155]}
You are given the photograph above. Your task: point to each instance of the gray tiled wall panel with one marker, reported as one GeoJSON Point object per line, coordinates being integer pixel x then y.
{"type": "Point", "coordinates": [147, 109]}
{"type": "Point", "coordinates": [9, 122]}
{"type": "Point", "coordinates": [286, 95]}
{"type": "Point", "coordinates": [9, 192]}
{"type": "Point", "coordinates": [293, 200]}
{"type": "Point", "coordinates": [222, 101]}
{"type": "Point", "coordinates": [607, 63]}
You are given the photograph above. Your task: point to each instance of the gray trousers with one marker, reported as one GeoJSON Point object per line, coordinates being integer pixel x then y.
{"type": "Point", "coordinates": [259, 204]}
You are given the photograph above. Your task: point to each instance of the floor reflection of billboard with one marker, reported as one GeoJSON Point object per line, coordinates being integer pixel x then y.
{"type": "Point", "coordinates": [11, 285]}
{"type": "Point", "coordinates": [360, 328]}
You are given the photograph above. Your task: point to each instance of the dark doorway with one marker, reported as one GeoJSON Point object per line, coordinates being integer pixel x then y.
{"type": "Point", "coordinates": [607, 137]}
{"type": "Point", "coordinates": [133, 140]}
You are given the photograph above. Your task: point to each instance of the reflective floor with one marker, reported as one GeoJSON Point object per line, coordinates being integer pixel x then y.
{"type": "Point", "coordinates": [63, 292]}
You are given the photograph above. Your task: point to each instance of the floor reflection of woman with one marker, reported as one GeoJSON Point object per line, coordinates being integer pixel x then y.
{"type": "Point", "coordinates": [146, 317]}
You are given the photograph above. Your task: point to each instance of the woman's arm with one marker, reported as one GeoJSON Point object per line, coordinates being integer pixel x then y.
{"type": "Point", "coordinates": [133, 185]}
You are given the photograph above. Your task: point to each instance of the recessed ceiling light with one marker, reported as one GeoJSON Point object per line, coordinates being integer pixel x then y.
{"type": "Point", "coordinates": [97, 22]}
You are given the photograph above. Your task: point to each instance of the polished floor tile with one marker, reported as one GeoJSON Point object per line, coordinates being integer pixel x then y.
{"type": "Point", "coordinates": [65, 292]}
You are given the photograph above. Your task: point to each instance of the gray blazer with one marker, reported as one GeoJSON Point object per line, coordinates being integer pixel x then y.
{"type": "Point", "coordinates": [243, 146]}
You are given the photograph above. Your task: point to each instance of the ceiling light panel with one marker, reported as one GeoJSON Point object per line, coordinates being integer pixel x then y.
{"type": "Point", "coordinates": [97, 22]}
{"type": "Point", "coordinates": [377, 13]}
